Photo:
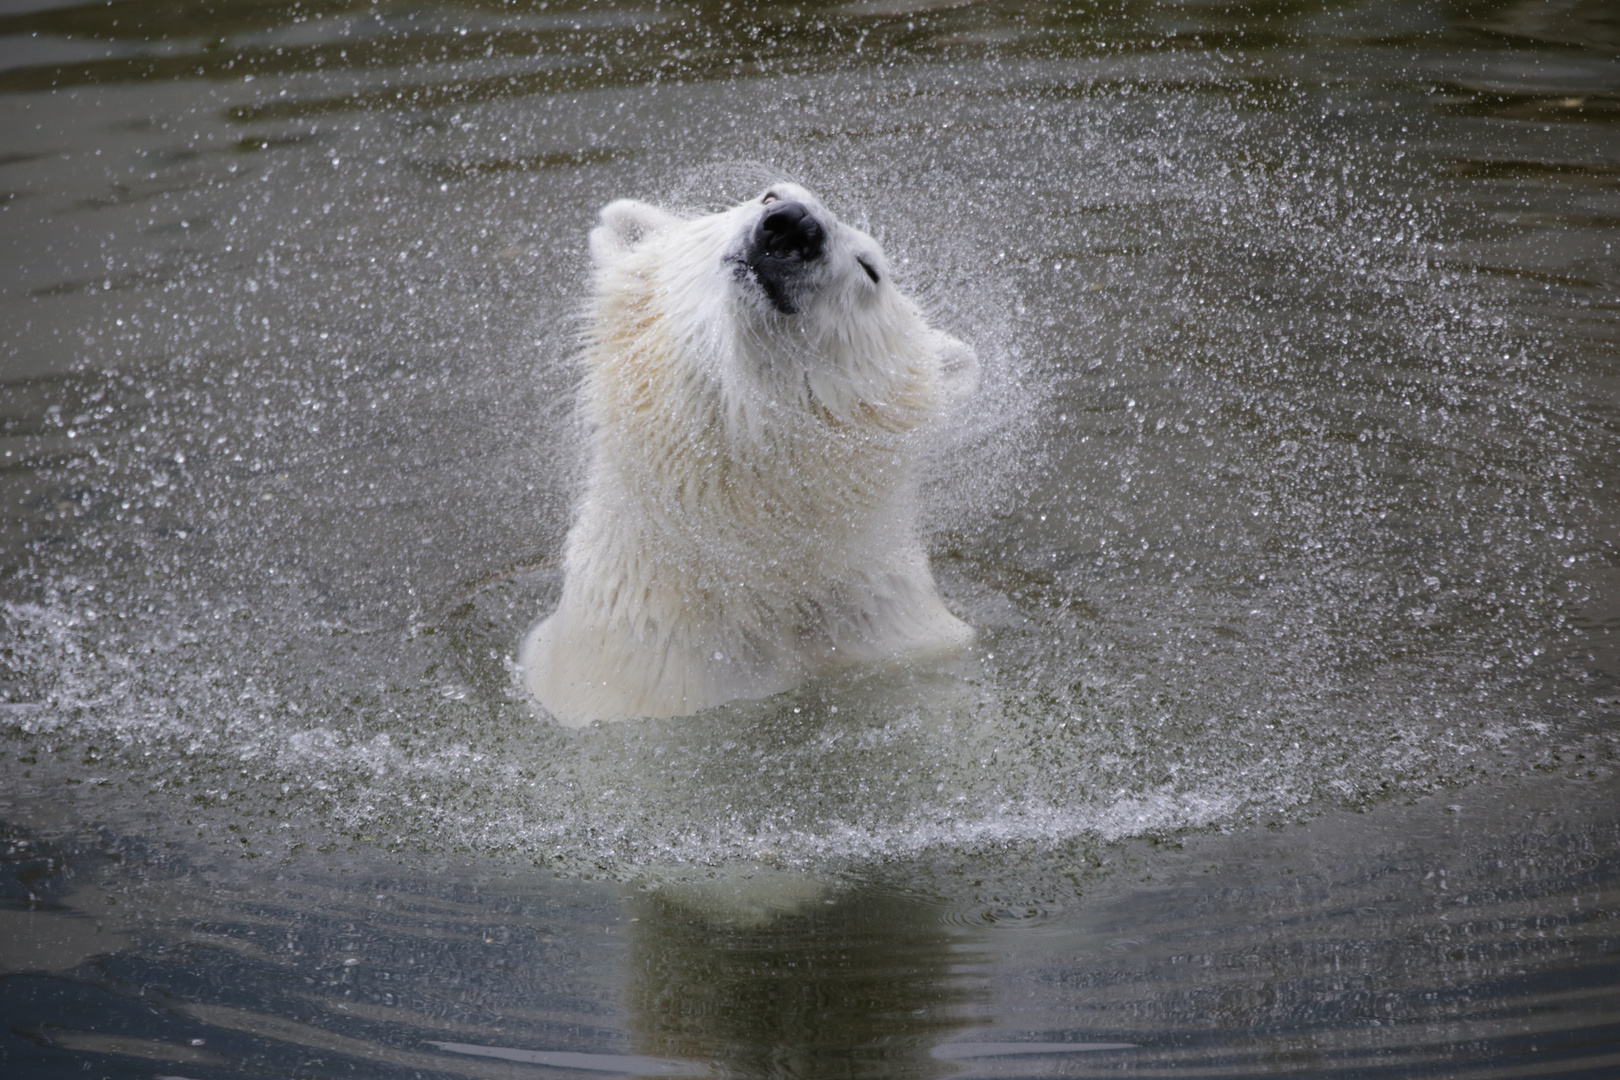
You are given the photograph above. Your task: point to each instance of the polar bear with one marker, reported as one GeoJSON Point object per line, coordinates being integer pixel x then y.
{"type": "Point", "coordinates": [758, 395]}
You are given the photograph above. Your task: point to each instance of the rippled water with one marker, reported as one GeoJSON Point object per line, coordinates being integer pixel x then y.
{"type": "Point", "coordinates": [1286, 515]}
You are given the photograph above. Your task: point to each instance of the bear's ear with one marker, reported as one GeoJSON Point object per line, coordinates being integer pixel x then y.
{"type": "Point", "coordinates": [625, 224]}
{"type": "Point", "coordinates": [958, 369]}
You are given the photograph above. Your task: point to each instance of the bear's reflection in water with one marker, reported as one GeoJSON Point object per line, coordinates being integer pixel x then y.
{"type": "Point", "coordinates": [853, 983]}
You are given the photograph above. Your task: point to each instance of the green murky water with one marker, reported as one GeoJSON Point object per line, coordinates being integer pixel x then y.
{"type": "Point", "coordinates": [1286, 515]}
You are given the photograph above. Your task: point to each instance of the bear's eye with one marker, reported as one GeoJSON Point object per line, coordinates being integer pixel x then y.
{"type": "Point", "coordinates": [770, 197]}
{"type": "Point", "coordinates": [871, 271]}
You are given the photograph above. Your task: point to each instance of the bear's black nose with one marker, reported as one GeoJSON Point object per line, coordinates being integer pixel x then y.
{"type": "Point", "coordinates": [788, 229]}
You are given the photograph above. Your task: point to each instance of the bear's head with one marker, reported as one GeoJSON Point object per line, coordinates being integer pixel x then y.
{"type": "Point", "coordinates": [776, 294]}
{"type": "Point", "coordinates": [784, 253]}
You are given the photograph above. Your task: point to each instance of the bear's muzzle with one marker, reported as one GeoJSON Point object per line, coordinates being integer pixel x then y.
{"type": "Point", "coordinates": [787, 239]}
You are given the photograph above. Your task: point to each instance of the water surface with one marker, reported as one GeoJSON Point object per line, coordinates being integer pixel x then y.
{"type": "Point", "coordinates": [1286, 515]}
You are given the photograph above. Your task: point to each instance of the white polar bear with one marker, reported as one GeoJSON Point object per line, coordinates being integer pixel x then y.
{"type": "Point", "coordinates": [758, 393]}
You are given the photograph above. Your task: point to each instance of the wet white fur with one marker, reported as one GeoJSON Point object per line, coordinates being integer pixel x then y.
{"type": "Point", "coordinates": [748, 517]}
